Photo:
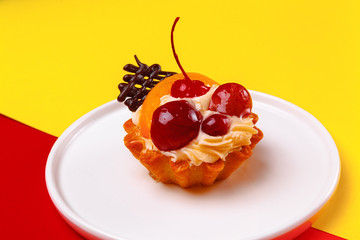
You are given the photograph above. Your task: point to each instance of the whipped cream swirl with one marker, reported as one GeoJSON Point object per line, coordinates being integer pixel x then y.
{"type": "Point", "coordinates": [206, 148]}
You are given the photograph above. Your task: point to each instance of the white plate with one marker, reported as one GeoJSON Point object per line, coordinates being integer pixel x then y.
{"type": "Point", "coordinates": [104, 192]}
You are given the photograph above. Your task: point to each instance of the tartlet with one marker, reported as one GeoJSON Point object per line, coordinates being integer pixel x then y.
{"type": "Point", "coordinates": [182, 172]}
{"type": "Point", "coordinates": [187, 129]}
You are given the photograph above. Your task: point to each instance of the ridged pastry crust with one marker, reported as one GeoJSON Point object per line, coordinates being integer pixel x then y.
{"type": "Point", "coordinates": [182, 173]}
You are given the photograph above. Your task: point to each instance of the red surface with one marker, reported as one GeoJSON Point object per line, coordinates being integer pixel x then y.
{"type": "Point", "coordinates": [315, 234]}
{"type": "Point", "coordinates": [25, 206]}
{"type": "Point", "coordinates": [26, 209]}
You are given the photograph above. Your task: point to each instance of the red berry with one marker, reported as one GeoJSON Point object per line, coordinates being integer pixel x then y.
{"type": "Point", "coordinates": [188, 88]}
{"type": "Point", "coordinates": [216, 125]}
{"type": "Point", "coordinates": [231, 99]}
{"type": "Point", "coordinates": [174, 125]}
{"type": "Point", "coordinates": [199, 88]}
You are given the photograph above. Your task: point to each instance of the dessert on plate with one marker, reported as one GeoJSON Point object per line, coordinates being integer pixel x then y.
{"type": "Point", "coordinates": [187, 129]}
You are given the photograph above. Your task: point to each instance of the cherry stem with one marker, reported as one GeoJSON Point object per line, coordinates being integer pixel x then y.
{"type": "Point", "coordinates": [173, 49]}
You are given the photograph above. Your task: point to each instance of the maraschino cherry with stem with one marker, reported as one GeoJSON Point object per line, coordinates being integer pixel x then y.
{"type": "Point", "coordinates": [185, 88]}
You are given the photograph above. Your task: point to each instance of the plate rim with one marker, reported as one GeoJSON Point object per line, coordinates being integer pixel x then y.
{"type": "Point", "coordinates": [89, 230]}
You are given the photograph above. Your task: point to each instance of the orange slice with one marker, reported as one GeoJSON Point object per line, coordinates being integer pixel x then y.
{"type": "Point", "coordinates": [152, 100]}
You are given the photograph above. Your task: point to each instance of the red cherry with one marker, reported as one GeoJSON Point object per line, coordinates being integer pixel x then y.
{"type": "Point", "coordinates": [216, 125]}
{"type": "Point", "coordinates": [232, 99]}
{"type": "Point", "coordinates": [188, 88]}
{"type": "Point", "coordinates": [174, 125]}
{"type": "Point", "coordinates": [185, 88]}
{"type": "Point", "coordinates": [199, 88]}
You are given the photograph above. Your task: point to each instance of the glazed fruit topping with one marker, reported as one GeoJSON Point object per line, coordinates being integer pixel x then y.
{"type": "Point", "coordinates": [188, 88]}
{"type": "Point", "coordinates": [185, 88]}
{"type": "Point", "coordinates": [216, 125]}
{"type": "Point", "coordinates": [231, 99]}
{"type": "Point", "coordinates": [174, 125]}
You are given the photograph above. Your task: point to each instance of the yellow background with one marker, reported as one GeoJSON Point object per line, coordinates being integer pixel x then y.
{"type": "Point", "coordinates": [60, 59]}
